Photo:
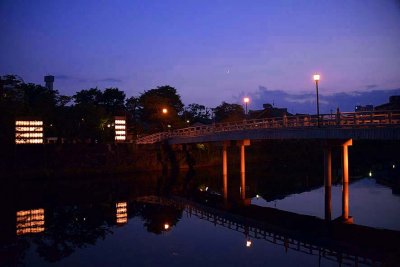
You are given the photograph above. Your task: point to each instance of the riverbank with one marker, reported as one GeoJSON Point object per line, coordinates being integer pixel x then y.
{"type": "Point", "coordinates": [82, 160]}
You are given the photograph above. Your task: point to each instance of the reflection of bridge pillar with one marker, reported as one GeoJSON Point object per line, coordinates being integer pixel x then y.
{"type": "Point", "coordinates": [242, 145]}
{"type": "Point", "coordinates": [345, 179]}
{"type": "Point", "coordinates": [225, 169]}
{"type": "Point", "coordinates": [328, 182]}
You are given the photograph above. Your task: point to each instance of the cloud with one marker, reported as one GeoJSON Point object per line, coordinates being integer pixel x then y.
{"type": "Point", "coordinates": [306, 102]}
{"type": "Point", "coordinates": [110, 80]}
{"type": "Point", "coordinates": [371, 86]}
{"type": "Point", "coordinates": [62, 77]}
{"type": "Point", "coordinates": [83, 80]}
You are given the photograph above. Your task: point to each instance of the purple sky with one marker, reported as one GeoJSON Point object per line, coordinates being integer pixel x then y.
{"type": "Point", "coordinates": [211, 51]}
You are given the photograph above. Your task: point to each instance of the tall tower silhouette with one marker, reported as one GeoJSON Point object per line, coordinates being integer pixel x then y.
{"type": "Point", "coordinates": [49, 80]}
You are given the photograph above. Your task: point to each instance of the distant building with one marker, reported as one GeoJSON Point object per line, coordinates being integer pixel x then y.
{"type": "Point", "coordinates": [360, 108]}
{"type": "Point", "coordinates": [269, 111]}
{"type": "Point", "coordinates": [394, 104]}
{"type": "Point", "coordinates": [49, 80]}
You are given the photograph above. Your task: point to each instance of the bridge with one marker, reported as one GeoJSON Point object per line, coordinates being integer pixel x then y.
{"type": "Point", "coordinates": [334, 130]}
{"type": "Point", "coordinates": [347, 244]}
{"type": "Point", "coordinates": [378, 125]}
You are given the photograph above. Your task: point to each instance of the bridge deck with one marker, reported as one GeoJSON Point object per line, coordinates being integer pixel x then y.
{"type": "Point", "coordinates": [367, 125]}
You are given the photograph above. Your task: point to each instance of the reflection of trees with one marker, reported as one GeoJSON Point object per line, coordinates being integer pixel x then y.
{"type": "Point", "coordinates": [13, 253]}
{"type": "Point", "coordinates": [70, 228]}
{"type": "Point", "coordinates": [156, 216]}
{"type": "Point", "coordinates": [280, 186]}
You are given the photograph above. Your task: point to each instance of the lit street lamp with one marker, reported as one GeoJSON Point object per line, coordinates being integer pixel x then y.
{"type": "Point", "coordinates": [163, 121]}
{"type": "Point", "coordinates": [246, 100]}
{"type": "Point", "coordinates": [316, 79]}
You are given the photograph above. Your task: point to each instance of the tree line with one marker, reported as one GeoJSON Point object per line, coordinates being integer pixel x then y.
{"type": "Point", "coordinates": [88, 115]}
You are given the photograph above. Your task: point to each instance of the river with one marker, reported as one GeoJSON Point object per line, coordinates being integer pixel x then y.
{"type": "Point", "coordinates": [182, 220]}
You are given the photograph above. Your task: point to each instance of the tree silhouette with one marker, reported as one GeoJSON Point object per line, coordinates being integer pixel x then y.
{"type": "Point", "coordinates": [229, 112]}
{"type": "Point", "coordinates": [153, 101]}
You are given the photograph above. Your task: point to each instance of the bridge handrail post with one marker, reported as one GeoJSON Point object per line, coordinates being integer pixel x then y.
{"type": "Point", "coordinates": [285, 121]}
{"type": "Point", "coordinates": [337, 117]}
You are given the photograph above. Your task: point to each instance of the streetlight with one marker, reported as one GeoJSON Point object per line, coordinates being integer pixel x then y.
{"type": "Point", "coordinates": [163, 121]}
{"type": "Point", "coordinates": [316, 79]}
{"type": "Point", "coordinates": [246, 100]}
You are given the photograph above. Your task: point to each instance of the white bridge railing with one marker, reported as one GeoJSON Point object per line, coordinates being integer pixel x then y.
{"type": "Point", "coordinates": [339, 120]}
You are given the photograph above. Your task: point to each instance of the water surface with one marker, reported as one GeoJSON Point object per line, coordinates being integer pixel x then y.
{"type": "Point", "coordinates": [134, 221]}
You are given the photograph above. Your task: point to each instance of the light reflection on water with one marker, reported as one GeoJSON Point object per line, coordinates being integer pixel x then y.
{"type": "Point", "coordinates": [371, 204]}
{"type": "Point", "coordinates": [138, 231]}
{"type": "Point", "coordinates": [194, 242]}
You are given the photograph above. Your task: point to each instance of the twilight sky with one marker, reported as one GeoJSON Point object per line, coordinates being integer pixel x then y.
{"type": "Point", "coordinates": [211, 51]}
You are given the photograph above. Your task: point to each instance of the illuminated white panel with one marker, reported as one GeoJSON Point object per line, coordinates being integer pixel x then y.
{"type": "Point", "coordinates": [120, 132]}
{"type": "Point", "coordinates": [28, 135]}
{"type": "Point", "coordinates": [122, 212]}
{"type": "Point", "coordinates": [120, 129]}
{"type": "Point", "coordinates": [28, 132]}
{"type": "Point", "coordinates": [30, 221]}
{"type": "Point", "coordinates": [28, 129]}
{"type": "Point", "coordinates": [28, 123]}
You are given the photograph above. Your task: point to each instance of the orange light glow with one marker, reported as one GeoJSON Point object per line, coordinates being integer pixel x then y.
{"type": "Point", "coordinates": [122, 212]}
{"type": "Point", "coordinates": [316, 77]}
{"type": "Point", "coordinates": [166, 226]}
{"type": "Point", "coordinates": [164, 111]}
{"type": "Point", "coordinates": [30, 221]}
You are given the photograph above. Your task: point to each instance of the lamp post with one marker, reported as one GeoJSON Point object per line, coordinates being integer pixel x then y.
{"type": "Point", "coordinates": [246, 100]}
{"type": "Point", "coordinates": [164, 112]}
{"type": "Point", "coordinates": [316, 79]}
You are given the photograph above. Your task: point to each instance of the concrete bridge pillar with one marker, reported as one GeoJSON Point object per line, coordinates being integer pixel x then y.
{"type": "Point", "coordinates": [328, 182]}
{"type": "Point", "coordinates": [242, 145]}
{"type": "Point", "coordinates": [345, 179]}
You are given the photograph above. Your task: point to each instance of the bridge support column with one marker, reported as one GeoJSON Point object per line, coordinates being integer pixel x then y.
{"type": "Point", "coordinates": [242, 145]}
{"type": "Point", "coordinates": [345, 179]}
{"type": "Point", "coordinates": [328, 182]}
{"type": "Point", "coordinates": [225, 169]}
